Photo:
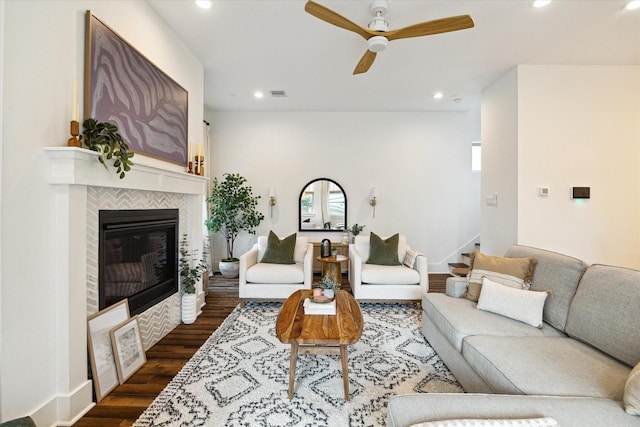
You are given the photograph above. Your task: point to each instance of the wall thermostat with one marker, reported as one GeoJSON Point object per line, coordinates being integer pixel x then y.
{"type": "Point", "coordinates": [580, 192]}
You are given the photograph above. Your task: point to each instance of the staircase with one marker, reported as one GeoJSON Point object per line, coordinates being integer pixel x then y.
{"type": "Point", "coordinates": [461, 269]}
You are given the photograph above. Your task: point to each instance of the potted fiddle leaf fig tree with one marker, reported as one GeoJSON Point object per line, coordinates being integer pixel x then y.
{"type": "Point", "coordinates": [104, 138]}
{"type": "Point", "coordinates": [232, 210]}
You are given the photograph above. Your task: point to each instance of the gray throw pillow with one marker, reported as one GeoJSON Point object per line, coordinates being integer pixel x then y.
{"type": "Point", "coordinates": [279, 251]}
{"type": "Point", "coordinates": [383, 252]}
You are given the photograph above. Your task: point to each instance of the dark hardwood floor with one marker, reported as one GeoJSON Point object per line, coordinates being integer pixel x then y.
{"type": "Point", "coordinates": [126, 402]}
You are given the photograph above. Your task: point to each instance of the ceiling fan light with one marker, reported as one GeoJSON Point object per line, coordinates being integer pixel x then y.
{"type": "Point", "coordinates": [377, 43]}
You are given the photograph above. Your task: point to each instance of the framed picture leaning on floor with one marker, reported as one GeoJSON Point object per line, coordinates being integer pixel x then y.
{"type": "Point", "coordinates": [127, 348]}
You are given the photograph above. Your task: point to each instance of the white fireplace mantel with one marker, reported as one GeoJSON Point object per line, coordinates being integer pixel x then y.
{"type": "Point", "coordinates": [77, 175]}
{"type": "Point", "coordinates": [80, 166]}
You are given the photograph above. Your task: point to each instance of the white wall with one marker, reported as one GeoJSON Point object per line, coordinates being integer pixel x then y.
{"type": "Point", "coordinates": [420, 161]}
{"type": "Point", "coordinates": [500, 164]}
{"type": "Point", "coordinates": [580, 126]}
{"type": "Point", "coordinates": [568, 126]}
{"type": "Point", "coordinates": [43, 55]}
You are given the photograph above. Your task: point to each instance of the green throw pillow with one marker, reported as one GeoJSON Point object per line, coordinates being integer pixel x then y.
{"type": "Point", "coordinates": [279, 251]}
{"type": "Point", "coordinates": [383, 252]}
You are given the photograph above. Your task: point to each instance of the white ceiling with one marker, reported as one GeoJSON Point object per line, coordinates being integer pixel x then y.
{"type": "Point", "coordinates": [275, 45]}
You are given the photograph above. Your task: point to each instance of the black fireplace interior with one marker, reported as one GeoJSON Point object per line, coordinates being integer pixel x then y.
{"type": "Point", "coordinates": [138, 257]}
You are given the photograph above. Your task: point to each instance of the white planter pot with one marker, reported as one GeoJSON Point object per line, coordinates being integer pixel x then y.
{"type": "Point", "coordinates": [189, 309]}
{"type": "Point", "coordinates": [229, 269]}
{"type": "Point", "coordinates": [329, 293]}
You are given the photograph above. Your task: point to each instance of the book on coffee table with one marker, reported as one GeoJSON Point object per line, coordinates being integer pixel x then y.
{"type": "Point", "coordinates": [322, 308]}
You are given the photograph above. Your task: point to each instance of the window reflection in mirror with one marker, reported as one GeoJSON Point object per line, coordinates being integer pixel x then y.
{"type": "Point", "coordinates": [323, 206]}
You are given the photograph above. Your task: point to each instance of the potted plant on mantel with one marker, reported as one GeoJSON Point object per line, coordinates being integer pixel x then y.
{"type": "Point", "coordinates": [189, 274]}
{"type": "Point", "coordinates": [104, 138]}
{"type": "Point", "coordinates": [232, 210]}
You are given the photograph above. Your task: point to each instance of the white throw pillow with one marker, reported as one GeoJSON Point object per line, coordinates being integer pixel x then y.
{"type": "Point", "coordinates": [301, 249]}
{"type": "Point", "coordinates": [410, 258]}
{"type": "Point", "coordinates": [632, 392]}
{"type": "Point", "coordinates": [518, 304]}
{"type": "Point", "coordinates": [474, 422]}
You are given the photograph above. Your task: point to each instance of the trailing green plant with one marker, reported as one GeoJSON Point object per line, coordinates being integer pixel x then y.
{"type": "Point", "coordinates": [188, 272]}
{"type": "Point", "coordinates": [232, 209]}
{"type": "Point", "coordinates": [104, 138]}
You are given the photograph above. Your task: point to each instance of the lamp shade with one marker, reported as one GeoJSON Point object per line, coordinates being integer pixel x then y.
{"type": "Point", "coordinates": [375, 193]}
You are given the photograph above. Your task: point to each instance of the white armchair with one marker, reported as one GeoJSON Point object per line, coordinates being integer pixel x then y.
{"type": "Point", "coordinates": [386, 282]}
{"type": "Point", "coordinates": [260, 280]}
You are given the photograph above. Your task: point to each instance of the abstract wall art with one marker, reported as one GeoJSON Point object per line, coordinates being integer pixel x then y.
{"type": "Point", "coordinates": [124, 88]}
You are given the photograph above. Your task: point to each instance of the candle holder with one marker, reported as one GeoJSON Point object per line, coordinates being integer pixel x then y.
{"type": "Point", "coordinates": [74, 129]}
{"type": "Point", "coordinates": [199, 165]}
{"type": "Point", "coordinates": [190, 168]}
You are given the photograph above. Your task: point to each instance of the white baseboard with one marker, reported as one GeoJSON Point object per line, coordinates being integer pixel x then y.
{"type": "Point", "coordinates": [65, 410]}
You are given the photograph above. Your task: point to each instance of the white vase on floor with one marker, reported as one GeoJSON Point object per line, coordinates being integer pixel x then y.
{"type": "Point", "coordinates": [189, 309]}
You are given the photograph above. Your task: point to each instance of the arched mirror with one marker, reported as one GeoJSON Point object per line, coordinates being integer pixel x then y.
{"type": "Point", "coordinates": [323, 206]}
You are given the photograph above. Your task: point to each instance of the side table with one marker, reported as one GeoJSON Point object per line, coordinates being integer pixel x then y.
{"type": "Point", "coordinates": [332, 265]}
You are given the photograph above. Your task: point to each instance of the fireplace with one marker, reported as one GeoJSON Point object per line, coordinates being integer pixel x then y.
{"type": "Point", "coordinates": [137, 257]}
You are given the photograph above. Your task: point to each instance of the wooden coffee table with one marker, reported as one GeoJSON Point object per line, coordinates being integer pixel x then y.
{"type": "Point", "coordinates": [319, 334]}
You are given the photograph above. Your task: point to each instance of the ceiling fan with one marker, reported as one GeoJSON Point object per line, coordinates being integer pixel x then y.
{"type": "Point", "coordinates": [377, 33]}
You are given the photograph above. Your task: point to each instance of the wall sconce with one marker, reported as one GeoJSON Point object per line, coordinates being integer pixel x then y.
{"type": "Point", "coordinates": [272, 200]}
{"type": "Point", "coordinates": [373, 196]}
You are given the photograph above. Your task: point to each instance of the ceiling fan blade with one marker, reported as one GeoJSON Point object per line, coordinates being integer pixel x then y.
{"type": "Point", "coordinates": [333, 18]}
{"type": "Point", "coordinates": [365, 62]}
{"type": "Point", "coordinates": [428, 28]}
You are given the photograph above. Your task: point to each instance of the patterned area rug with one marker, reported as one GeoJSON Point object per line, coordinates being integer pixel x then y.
{"type": "Point", "coordinates": [239, 377]}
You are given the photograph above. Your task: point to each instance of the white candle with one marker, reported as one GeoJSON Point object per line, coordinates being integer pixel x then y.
{"type": "Point", "coordinates": [74, 105]}
{"type": "Point", "coordinates": [198, 150]}
{"type": "Point", "coordinates": [188, 151]}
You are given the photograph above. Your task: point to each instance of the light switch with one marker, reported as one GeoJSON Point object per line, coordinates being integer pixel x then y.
{"type": "Point", "coordinates": [492, 200]}
{"type": "Point", "coordinates": [543, 191]}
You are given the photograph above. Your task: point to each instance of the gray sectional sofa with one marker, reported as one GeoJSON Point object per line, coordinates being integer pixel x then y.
{"type": "Point", "coordinates": [573, 369]}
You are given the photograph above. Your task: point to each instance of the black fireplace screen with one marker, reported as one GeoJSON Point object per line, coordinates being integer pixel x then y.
{"type": "Point", "coordinates": [138, 252]}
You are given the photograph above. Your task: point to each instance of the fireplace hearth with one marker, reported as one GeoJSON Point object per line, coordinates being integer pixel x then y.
{"type": "Point", "coordinates": [137, 257]}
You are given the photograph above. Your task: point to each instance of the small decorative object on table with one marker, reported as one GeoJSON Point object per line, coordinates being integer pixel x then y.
{"type": "Point", "coordinates": [329, 286]}
{"type": "Point", "coordinates": [355, 230]}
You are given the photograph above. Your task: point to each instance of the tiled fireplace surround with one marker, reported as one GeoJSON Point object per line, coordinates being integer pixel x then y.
{"type": "Point", "coordinates": [82, 188]}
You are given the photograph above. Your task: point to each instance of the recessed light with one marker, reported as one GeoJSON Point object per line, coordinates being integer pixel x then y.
{"type": "Point", "coordinates": [204, 4]}
{"type": "Point", "coordinates": [540, 3]}
{"type": "Point", "coordinates": [632, 5]}
{"type": "Point", "coordinates": [258, 94]}
{"type": "Point", "coordinates": [438, 95]}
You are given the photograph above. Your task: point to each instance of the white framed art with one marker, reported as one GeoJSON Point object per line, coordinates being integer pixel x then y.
{"type": "Point", "coordinates": [103, 365]}
{"type": "Point", "coordinates": [127, 348]}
